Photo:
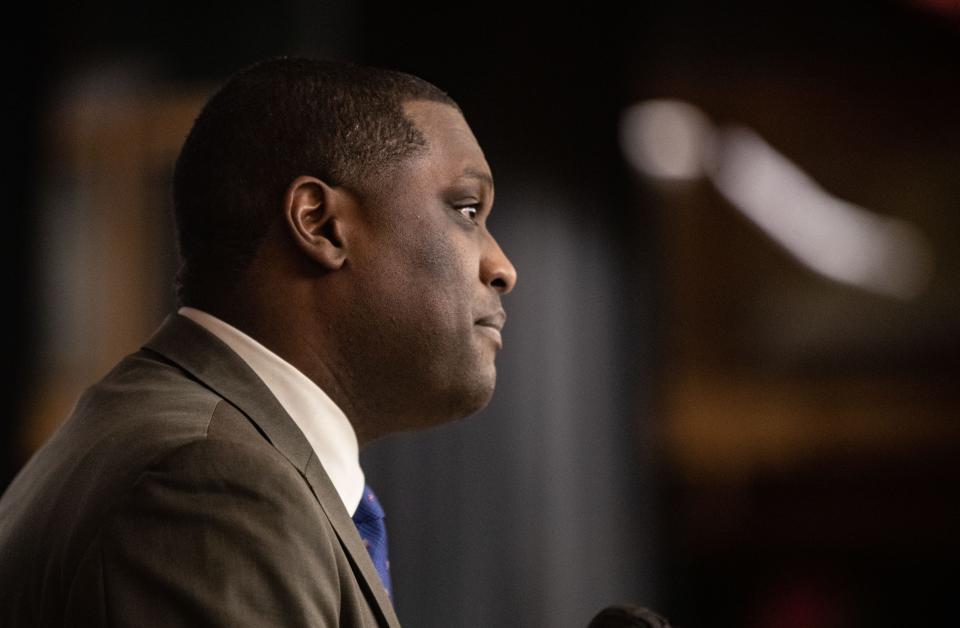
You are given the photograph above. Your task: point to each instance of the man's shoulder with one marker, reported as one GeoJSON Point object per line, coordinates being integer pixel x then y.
{"type": "Point", "coordinates": [136, 418]}
{"type": "Point", "coordinates": [146, 387]}
{"type": "Point", "coordinates": [144, 409]}
{"type": "Point", "coordinates": [150, 451]}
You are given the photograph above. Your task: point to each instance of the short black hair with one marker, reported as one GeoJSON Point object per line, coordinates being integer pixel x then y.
{"type": "Point", "coordinates": [271, 122]}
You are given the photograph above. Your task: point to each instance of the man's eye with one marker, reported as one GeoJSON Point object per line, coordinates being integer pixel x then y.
{"type": "Point", "coordinates": [469, 211]}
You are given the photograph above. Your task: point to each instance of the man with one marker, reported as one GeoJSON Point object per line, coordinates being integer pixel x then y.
{"type": "Point", "coordinates": [338, 283]}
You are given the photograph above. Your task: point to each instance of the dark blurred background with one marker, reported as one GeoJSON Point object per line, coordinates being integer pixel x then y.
{"type": "Point", "coordinates": [728, 387]}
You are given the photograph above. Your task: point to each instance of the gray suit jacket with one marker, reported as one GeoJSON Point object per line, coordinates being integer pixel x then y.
{"type": "Point", "coordinates": [180, 493]}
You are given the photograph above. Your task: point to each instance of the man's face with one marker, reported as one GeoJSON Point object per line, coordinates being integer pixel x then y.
{"type": "Point", "coordinates": [430, 280]}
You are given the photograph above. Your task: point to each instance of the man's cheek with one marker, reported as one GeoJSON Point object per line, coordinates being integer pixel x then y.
{"type": "Point", "coordinates": [436, 257]}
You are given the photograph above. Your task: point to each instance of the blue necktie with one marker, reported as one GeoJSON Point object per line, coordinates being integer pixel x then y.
{"type": "Point", "coordinates": [369, 521]}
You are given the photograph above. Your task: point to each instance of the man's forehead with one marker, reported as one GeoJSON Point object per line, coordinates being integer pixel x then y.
{"type": "Point", "coordinates": [452, 151]}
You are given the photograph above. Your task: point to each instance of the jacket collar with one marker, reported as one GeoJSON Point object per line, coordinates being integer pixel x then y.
{"type": "Point", "coordinates": [218, 367]}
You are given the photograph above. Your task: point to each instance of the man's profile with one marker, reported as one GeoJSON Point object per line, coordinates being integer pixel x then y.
{"type": "Point", "coordinates": [338, 283]}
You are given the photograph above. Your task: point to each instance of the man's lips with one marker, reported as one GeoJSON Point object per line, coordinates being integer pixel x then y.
{"type": "Point", "coordinates": [495, 320]}
{"type": "Point", "coordinates": [492, 324]}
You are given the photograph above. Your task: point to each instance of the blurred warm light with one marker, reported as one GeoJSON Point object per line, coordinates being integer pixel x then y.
{"type": "Point", "coordinates": [672, 140]}
{"type": "Point", "coordinates": [837, 239]}
{"type": "Point", "coordinates": [666, 139]}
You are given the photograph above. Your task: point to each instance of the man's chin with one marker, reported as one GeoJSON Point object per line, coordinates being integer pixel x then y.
{"type": "Point", "coordinates": [482, 397]}
{"type": "Point", "coordinates": [458, 401]}
{"type": "Point", "coordinates": [467, 400]}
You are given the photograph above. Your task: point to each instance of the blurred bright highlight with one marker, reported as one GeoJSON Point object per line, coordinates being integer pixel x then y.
{"type": "Point", "coordinates": [666, 139]}
{"type": "Point", "coordinates": [670, 140]}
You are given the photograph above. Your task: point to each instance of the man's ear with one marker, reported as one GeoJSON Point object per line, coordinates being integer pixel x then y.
{"type": "Point", "coordinates": [316, 215]}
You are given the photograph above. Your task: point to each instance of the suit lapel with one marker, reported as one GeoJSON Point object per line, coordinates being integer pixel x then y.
{"type": "Point", "coordinates": [218, 367]}
{"type": "Point", "coordinates": [352, 543]}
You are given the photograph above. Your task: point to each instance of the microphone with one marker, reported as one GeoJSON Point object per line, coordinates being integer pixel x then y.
{"type": "Point", "coordinates": [628, 616]}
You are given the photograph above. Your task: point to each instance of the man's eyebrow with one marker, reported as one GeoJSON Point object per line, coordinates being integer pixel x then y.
{"type": "Point", "coordinates": [473, 173]}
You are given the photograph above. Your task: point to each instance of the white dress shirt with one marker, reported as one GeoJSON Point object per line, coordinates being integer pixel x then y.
{"type": "Point", "coordinates": [329, 432]}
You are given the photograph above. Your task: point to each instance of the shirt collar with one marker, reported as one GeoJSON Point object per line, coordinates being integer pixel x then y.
{"type": "Point", "coordinates": [323, 423]}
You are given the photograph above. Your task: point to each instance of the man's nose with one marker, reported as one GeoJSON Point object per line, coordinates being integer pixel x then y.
{"type": "Point", "coordinates": [495, 269]}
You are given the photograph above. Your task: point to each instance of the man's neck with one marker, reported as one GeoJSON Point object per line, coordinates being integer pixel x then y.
{"type": "Point", "coordinates": [288, 335]}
